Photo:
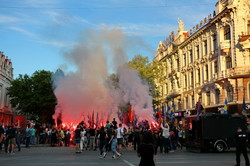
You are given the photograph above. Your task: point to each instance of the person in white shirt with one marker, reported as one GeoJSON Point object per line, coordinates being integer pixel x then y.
{"type": "Point", "coordinates": [120, 133]}
{"type": "Point", "coordinates": [164, 138]}
{"type": "Point", "coordinates": [82, 141]}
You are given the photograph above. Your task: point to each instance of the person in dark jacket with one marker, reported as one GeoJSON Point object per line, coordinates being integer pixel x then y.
{"type": "Point", "coordinates": [241, 146]}
{"type": "Point", "coordinates": [146, 150]}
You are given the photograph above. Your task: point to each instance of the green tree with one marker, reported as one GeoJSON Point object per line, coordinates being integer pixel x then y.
{"type": "Point", "coordinates": [149, 72]}
{"type": "Point", "coordinates": [34, 95]}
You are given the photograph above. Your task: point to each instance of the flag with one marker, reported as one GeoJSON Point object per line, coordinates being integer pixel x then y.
{"type": "Point", "coordinates": [168, 111]}
{"type": "Point", "coordinates": [164, 113]}
{"type": "Point", "coordinates": [171, 114]}
{"type": "Point", "coordinates": [120, 114]}
{"type": "Point", "coordinates": [159, 116]}
{"type": "Point", "coordinates": [131, 114]}
{"type": "Point", "coordinates": [225, 106]}
{"type": "Point", "coordinates": [125, 118]}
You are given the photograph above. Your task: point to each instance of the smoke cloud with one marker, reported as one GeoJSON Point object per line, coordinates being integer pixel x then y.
{"type": "Point", "coordinates": [87, 91]}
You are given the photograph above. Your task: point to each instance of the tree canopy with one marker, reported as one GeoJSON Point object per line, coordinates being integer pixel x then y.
{"type": "Point", "coordinates": [33, 95]}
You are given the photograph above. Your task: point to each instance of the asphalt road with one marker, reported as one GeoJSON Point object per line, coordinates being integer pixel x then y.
{"type": "Point", "coordinates": [66, 156]}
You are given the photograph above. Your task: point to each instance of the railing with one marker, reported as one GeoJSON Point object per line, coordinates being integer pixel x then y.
{"type": "Point", "coordinates": [225, 44]}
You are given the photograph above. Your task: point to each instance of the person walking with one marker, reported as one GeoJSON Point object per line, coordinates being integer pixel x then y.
{"type": "Point", "coordinates": [1, 136]}
{"type": "Point", "coordinates": [92, 133]}
{"type": "Point", "coordinates": [102, 138]}
{"type": "Point", "coordinates": [6, 139]}
{"type": "Point", "coordinates": [82, 141]}
{"type": "Point", "coordinates": [32, 135]}
{"type": "Point", "coordinates": [11, 135]}
{"type": "Point", "coordinates": [18, 142]}
{"type": "Point", "coordinates": [130, 138]}
{"type": "Point", "coordinates": [120, 134]}
{"type": "Point", "coordinates": [241, 146]}
{"type": "Point", "coordinates": [137, 138]}
{"type": "Point", "coordinates": [146, 150]}
{"type": "Point", "coordinates": [78, 138]}
{"type": "Point", "coordinates": [165, 138]}
{"type": "Point", "coordinates": [157, 141]}
{"type": "Point", "coordinates": [114, 123]}
{"type": "Point", "coordinates": [28, 135]}
{"type": "Point", "coordinates": [113, 142]}
{"type": "Point", "coordinates": [53, 136]}
{"type": "Point", "coordinates": [67, 137]}
{"type": "Point", "coordinates": [109, 135]}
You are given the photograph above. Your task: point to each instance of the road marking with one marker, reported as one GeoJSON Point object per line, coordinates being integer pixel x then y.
{"type": "Point", "coordinates": [127, 162]}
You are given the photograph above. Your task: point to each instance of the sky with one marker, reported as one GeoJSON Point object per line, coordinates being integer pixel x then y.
{"type": "Point", "coordinates": [36, 34]}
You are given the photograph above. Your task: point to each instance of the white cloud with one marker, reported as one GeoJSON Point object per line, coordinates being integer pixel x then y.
{"type": "Point", "coordinates": [66, 44]}
{"type": "Point", "coordinates": [8, 19]}
{"type": "Point", "coordinates": [23, 31]}
{"type": "Point", "coordinates": [142, 29]}
{"type": "Point", "coordinates": [60, 18]}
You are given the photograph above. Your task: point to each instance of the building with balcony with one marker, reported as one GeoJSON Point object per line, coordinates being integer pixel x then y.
{"type": "Point", "coordinates": [6, 76]}
{"type": "Point", "coordinates": [210, 62]}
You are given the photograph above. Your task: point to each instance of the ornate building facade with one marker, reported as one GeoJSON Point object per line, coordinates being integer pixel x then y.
{"type": "Point", "coordinates": [6, 76]}
{"type": "Point", "coordinates": [210, 62]}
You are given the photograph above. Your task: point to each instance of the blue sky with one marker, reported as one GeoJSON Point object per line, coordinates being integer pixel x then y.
{"type": "Point", "coordinates": [34, 33]}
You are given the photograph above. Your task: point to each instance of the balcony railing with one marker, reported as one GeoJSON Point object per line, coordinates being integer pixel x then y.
{"type": "Point", "coordinates": [225, 46]}
{"type": "Point", "coordinates": [244, 41]}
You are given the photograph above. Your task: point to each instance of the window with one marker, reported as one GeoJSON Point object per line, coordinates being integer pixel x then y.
{"type": "Point", "coordinates": [248, 27]}
{"type": "Point", "coordinates": [217, 96]}
{"type": "Point", "coordinates": [206, 72]}
{"type": "Point", "coordinates": [172, 65]}
{"type": "Point", "coordinates": [227, 35]}
{"type": "Point", "coordinates": [193, 104]}
{"type": "Point", "coordinates": [187, 106]}
{"type": "Point", "coordinates": [185, 81]}
{"type": "Point", "coordinates": [162, 90]}
{"type": "Point", "coordinates": [228, 62]}
{"type": "Point", "coordinates": [215, 67]}
{"type": "Point", "coordinates": [208, 98]}
{"type": "Point", "coordinates": [192, 79]}
{"type": "Point", "coordinates": [205, 47]}
{"type": "Point", "coordinates": [191, 56]}
{"type": "Point", "coordinates": [184, 59]}
{"type": "Point", "coordinates": [172, 84]}
{"type": "Point", "coordinates": [166, 88]}
{"type": "Point", "coordinates": [178, 65]}
{"type": "Point", "coordinates": [215, 42]}
{"type": "Point", "coordinates": [179, 104]}
{"type": "Point", "coordinates": [197, 52]}
{"type": "Point", "coordinates": [198, 75]}
{"type": "Point", "coordinates": [230, 94]}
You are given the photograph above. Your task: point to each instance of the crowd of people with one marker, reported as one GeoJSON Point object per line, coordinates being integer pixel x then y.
{"type": "Point", "coordinates": [112, 137]}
